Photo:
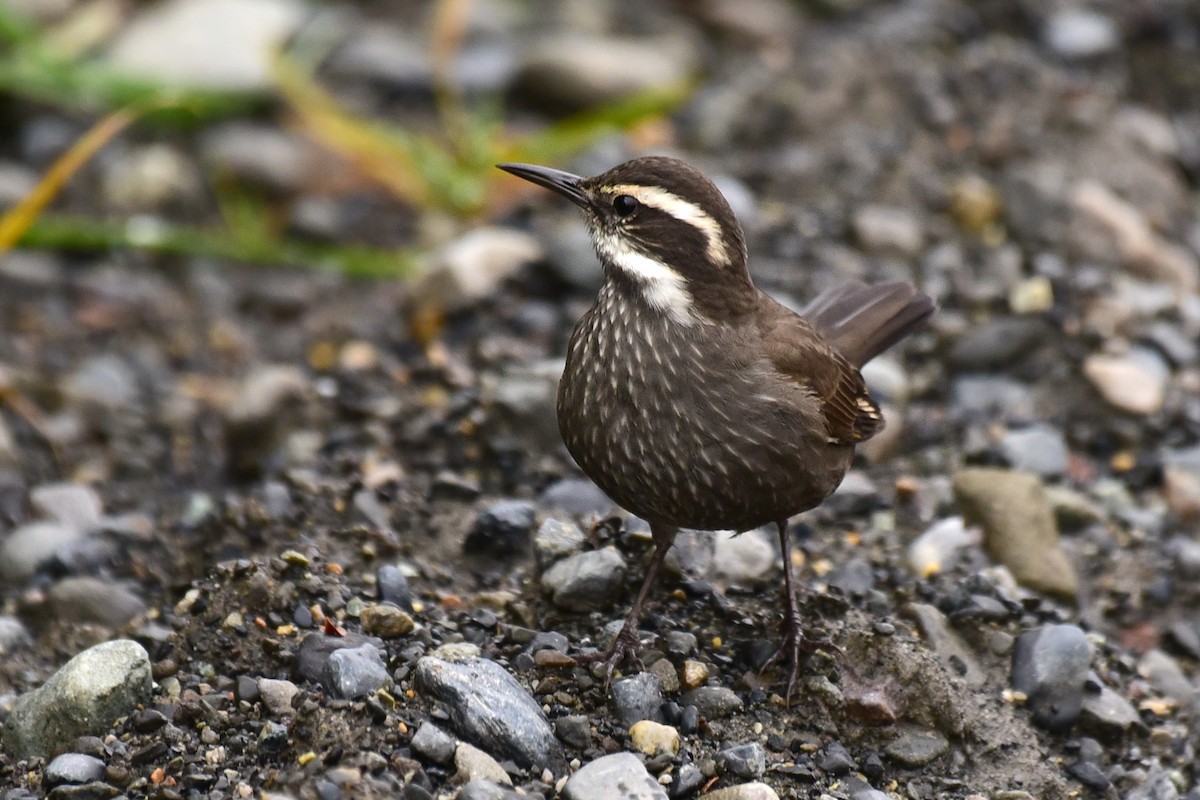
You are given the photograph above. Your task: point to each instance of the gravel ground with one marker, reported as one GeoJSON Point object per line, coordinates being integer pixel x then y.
{"type": "Point", "coordinates": [260, 536]}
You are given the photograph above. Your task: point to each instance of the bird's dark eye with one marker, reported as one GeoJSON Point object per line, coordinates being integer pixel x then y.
{"type": "Point", "coordinates": [624, 205]}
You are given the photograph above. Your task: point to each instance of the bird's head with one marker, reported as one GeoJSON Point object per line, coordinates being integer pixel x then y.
{"type": "Point", "coordinates": [664, 230]}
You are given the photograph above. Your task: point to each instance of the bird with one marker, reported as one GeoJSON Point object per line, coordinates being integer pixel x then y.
{"type": "Point", "coordinates": [692, 397]}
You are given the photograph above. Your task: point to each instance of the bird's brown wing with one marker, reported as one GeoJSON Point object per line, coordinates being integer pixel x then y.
{"type": "Point", "coordinates": [796, 349]}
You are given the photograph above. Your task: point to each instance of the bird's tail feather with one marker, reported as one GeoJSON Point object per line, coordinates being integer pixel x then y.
{"type": "Point", "coordinates": [862, 321]}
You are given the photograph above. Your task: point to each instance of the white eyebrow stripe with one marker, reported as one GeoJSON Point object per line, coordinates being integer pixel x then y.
{"type": "Point", "coordinates": [662, 287]}
{"type": "Point", "coordinates": [682, 210]}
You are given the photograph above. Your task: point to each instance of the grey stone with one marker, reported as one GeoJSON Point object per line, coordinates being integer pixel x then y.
{"type": "Point", "coordinates": [687, 781]}
{"type": "Point", "coordinates": [744, 791]}
{"type": "Point", "coordinates": [913, 746]}
{"type": "Point", "coordinates": [574, 730]}
{"type": "Point", "coordinates": [475, 765]}
{"type": "Point", "coordinates": [316, 647]}
{"type": "Point", "coordinates": [1050, 665]}
{"type": "Point", "coordinates": [31, 546]}
{"type": "Point", "coordinates": [985, 394]}
{"type": "Point", "coordinates": [571, 71]}
{"type": "Point", "coordinates": [386, 54]}
{"type": "Point", "coordinates": [1165, 675]}
{"type": "Point", "coordinates": [488, 707]}
{"type": "Point", "coordinates": [486, 790]}
{"type": "Point", "coordinates": [392, 586]}
{"type": "Point", "coordinates": [888, 229]}
{"type": "Point", "coordinates": [13, 635]}
{"type": "Point", "coordinates": [713, 702]}
{"type": "Point", "coordinates": [473, 267]}
{"type": "Point", "coordinates": [744, 761]}
{"type": "Point", "coordinates": [588, 581]}
{"type": "Point", "coordinates": [836, 759]}
{"type": "Point", "coordinates": [70, 504]}
{"type": "Point", "coordinates": [524, 398]}
{"type": "Point", "coordinates": [637, 698]}
{"type": "Point", "coordinates": [1040, 449]}
{"type": "Point", "coordinates": [748, 558]}
{"type": "Point", "coordinates": [277, 695]}
{"type": "Point", "coordinates": [555, 540]}
{"type": "Point", "coordinates": [188, 42]}
{"type": "Point", "coordinates": [938, 548]}
{"type": "Point", "coordinates": [261, 155]}
{"type": "Point", "coordinates": [433, 743]}
{"type": "Point", "coordinates": [73, 768]}
{"type": "Point", "coordinates": [1077, 33]}
{"type": "Point", "coordinates": [354, 672]}
{"type": "Point", "coordinates": [997, 343]}
{"type": "Point", "coordinates": [87, 599]}
{"type": "Point", "coordinates": [951, 650]}
{"type": "Point", "coordinates": [578, 497]}
{"type": "Point", "coordinates": [503, 528]}
{"type": "Point", "coordinates": [620, 776]}
{"type": "Point", "coordinates": [1018, 526]}
{"type": "Point", "coordinates": [103, 384]}
{"type": "Point", "coordinates": [84, 697]}
{"type": "Point", "coordinates": [1107, 714]}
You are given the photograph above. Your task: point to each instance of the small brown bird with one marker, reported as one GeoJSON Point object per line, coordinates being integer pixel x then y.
{"type": "Point", "coordinates": [691, 397]}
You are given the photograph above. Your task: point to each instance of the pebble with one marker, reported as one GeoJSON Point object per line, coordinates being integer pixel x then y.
{"type": "Point", "coordinates": [588, 581]}
{"type": "Point", "coordinates": [503, 528]}
{"type": "Point", "coordinates": [997, 343]}
{"type": "Point", "coordinates": [218, 45]}
{"type": "Point", "coordinates": [487, 706]}
{"type": "Point", "coordinates": [1135, 383]}
{"type": "Point", "coordinates": [354, 672]}
{"type": "Point", "coordinates": [472, 268]}
{"type": "Point", "coordinates": [746, 761]}
{"type": "Point", "coordinates": [1040, 449]}
{"type": "Point", "coordinates": [261, 413]}
{"type": "Point", "coordinates": [574, 730]}
{"type": "Point", "coordinates": [474, 764]}
{"type": "Point", "coordinates": [637, 698]}
{"type": "Point", "coordinates": [26, 549]}
{"type": "Point", "coordinates": [746, 558]}
{"type": "Point", "coordinates": [1107, 714]}
{"type": "Point", "coordinates": [74, 769]}
{"type": "Point", "coordinates": [386, 54]}
{"type": "Point", "coordinates": [1167, 677]}
{"type": "Point", "coordinates": [98, 600]}
{"type": "Point", "coordinates": [1050, 666]}
{"type": "Point", "coordinates": [713, 702]}
{"type": "Point", "coordinates": [836, 759]}
{"type": "Point", "coordinates": [687, 781]}
{"type": "Point", "coordinates": [620, 776]}
{"type": "Point", "coordinates": [888, 229]}
{"type": "Point", "coordinates": [654, 738]}
{"type": "Point", "coordinates": [568, 71]}
{"type": "Point", "coordinates": [914, 746]}
{"type": "Point", "coordinates": [316, 647]}
{"type": "Point", "coordinates": [484, 790]}
{"type": "Point", "coordinates": [70, 504]}
{"type": "Point", "coordinates": [525, 396]}
{"type": "Point", "coordinates": [937, 549]}
{"type": "Point", "coordinates": [14, 635]}
{"type": "Point", "coordinates": [949, 647]}
{"type": "Point", "coordinates": [1089, 775]}
{"type": "Point", "coordinates": [745, 791]}
{"type": "Point", "coordinates": [386, 621]}
{"type": "Point", "coordinates": [433, 743]}
{"type": "Point", "coordinates": [1079, 33]}
{"type": "Point", "coordinates": [577, 497]}
{"type": "Point", "coordinates": [988, 394]}
{"type": "Point", "coordinates": [1018, 526]}
{"type": "Point", "coordinates": [555, 540]}
{"type": "Point", "coordinates": [694, 674]}
{"type": "Point", "coordinates": [392, 585]}
{"type": "Point", "coordinates": [277, 695]}
{"type": "Point", "coordinates": [84, 697]}
{"type": "Point", "coordinates": [668, 678]}
{"type": "Point", "coordinates": [103, 386]}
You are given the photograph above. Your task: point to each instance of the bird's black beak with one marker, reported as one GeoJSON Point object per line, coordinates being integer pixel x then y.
{"type": "Point", "coordinates": [556, 180]}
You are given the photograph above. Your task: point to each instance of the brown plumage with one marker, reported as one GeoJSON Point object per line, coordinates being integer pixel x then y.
{"type": "Point", "coordinates": [691, 397]}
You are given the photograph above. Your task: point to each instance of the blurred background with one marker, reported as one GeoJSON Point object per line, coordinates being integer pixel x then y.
{"type": "Point", "coordinates": [263, 290]}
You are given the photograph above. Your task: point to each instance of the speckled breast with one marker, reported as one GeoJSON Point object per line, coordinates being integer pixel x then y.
{"type": "Point", "coordinates": [684, 426]}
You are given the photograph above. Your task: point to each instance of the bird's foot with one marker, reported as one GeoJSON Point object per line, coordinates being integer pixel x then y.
{"type": "Point", "coordinates": [794, 647]}
{"type": "Point", "coordinates": [623, 652]}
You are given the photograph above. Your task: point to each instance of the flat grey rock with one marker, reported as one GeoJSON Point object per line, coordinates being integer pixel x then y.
{"type": "Point", "coordinates": [620, 776]}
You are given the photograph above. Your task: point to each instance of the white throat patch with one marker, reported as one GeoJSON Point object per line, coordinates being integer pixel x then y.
{"type": "Point", "coordinates": [662, 287]}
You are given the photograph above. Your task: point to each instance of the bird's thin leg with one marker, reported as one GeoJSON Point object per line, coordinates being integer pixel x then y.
{"type": "Point", "coordinates": [625, 647]}
{"type": "Point", "coordinates": [794, 642]}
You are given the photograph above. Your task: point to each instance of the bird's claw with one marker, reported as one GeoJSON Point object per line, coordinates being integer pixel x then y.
{"type": "Point", "coordinates": [623, 652]}
{"type": "Point", "coordinates": [793, 648]}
